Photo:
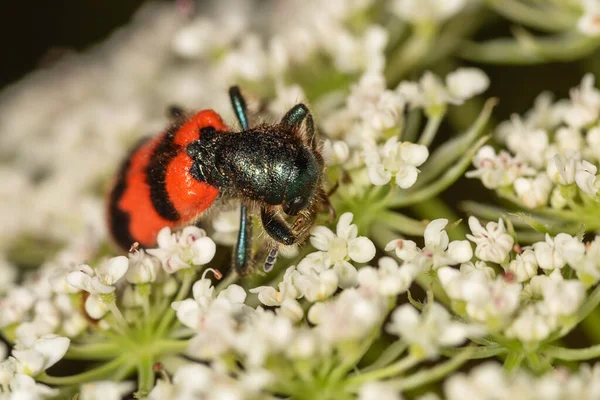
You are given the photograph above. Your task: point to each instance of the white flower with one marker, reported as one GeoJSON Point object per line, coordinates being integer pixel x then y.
{"type": "Point", "coordinates": [465, 83]}
{"type": "Point", "coordinates": [585, 177]}
{"type": "Point", "coordinates": [286, 97]}
{"type": "Point", "coordinates": [563, 297]}
{"type": "Point", "coordinates": [142, 268]}
{"type": "Point", "coordinates": [25, 387]}
{"type": "Point", "coordinates": [395, 159]}
{"type": "Point", "coordinates": [191, 312]}
{"type": "Point", "coordinates": [554, 253]}
{"type": "Point", "coordinates": [497, 170]}
{"type": "Point", "coordinates": [588, 22]}
{"type": "Point", "coordinates": [317, 284]}
{"type": "Point", "coordinates": [389, 279]}
{"type": "Point", "coordinates": [588, 268]}
{"type": "Point", "coordinates": [378, 391]}
{"type": "Point", "coordinates": [15, 305]}
{"type": "Point", "coordinates": [533, 192]}
{"type": "Point", "coordinates": [335, 152]}
{"type": "Point", "coordinates": [493, 243]}
{"type": "Point", "coordinates": [284, 298]}
{"type": "Point", "coordinates": [351, 54]}
{"type": "Point", "coordinates": [41, 355]}
{"type": "Point", "coordinates": [525, 140]}
{"type": "Point", "coordinates": [432, 95]}
{"type": "Point", "coordinates": [265, 333]}
{"type": "Point", "coordinates": [350, 316]}
{"type": "Point", "coordinates": [568, 139]}
{"type": "Point", "coordinates": [486, 381]}
{"type": "Point", "coordinates": [340, 248]}
{"type": "Point", "coordinates": [592, 138]}
{"type": "Point", "coordinates": [427, 332]}
{"type": "Point", "coordinates": [532, 324]}
{"type": "Point", "coordinates": [585, 104]}
{"type": "Point", "coordinates": [102, 279]}
{"type": "Point", "coordinates": [419, 11]}
{"type": "Point", "coordinates": [562, 167]}
{"type": "Point", "coordinates": [105, 390]}
{"type": "Point", "coordinates": [438, 250]}
{"type": "Point", "coordinates": [183, 249]}
{"type": "Point", "coordinates": [524, 266]}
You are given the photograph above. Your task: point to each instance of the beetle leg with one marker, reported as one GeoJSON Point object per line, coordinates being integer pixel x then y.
{"type": "Point", "coordinates": [277, 227]}
{"type": "Point", "coordinates": [296, 115]}
{"type": "Point", "coordinates": [239, 106]}
{"type": "Point", "coordinates": [243, 249]}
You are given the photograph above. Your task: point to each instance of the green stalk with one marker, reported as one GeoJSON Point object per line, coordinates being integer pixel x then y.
{"type": "Point", "coordinates": [184, 289]}
{"type": "Point", "coordinates": [93, 351]}
{"type": "Point", "coordinates": [562, 353]}
{"type": "Point", "coordinates": [94, 374]}
{"type": "Point", "coordinates": [145, 375]}
{"type": "Point", "coordinates": [394, 369]}
{"type": "Point", "coordinates": [433, 124]}
{"type": "Point", "coordinates": [434, 374]}
{"type": "Point", "coordinates": [391, 353]}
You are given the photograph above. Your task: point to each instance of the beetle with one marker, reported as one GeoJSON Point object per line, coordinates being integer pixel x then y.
{"type": "Point", "coordinates": [174, 178]}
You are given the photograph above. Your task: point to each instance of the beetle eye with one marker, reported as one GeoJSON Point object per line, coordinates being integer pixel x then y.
{"type": "Point", "coordinates": [294, 206]}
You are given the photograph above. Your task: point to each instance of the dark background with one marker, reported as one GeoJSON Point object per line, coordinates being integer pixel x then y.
{"type": "Point", "coordinates": [35, 33]}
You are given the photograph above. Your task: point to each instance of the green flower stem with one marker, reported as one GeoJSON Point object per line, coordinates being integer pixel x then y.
{"type": "Point", "coordinates": [230, 279]}
{"type": "Point", "coordinates": [479, 352]}
{"type": "Point", "coordinates": [453, 149]}
{"type": "Point", "coordinates": [121, 322]}
{"type": "Point", "coordinates": [98, 373]}
{"type": "Point", "coordinates": [442, 183]}
{"type": "Point", "coordinates": [93, 351]}
{"type": "Point", "coordinates": [349, 361]}
{"type": "Point", "coordinates": [391, 370]}
{"type": "Point", "coordinates": [401, 223]}
{"type": "Point", "coordinates": [169, 314]}
{"type": "Point", "coordinates": [514, 360]}
{"type": "Point", "coordinates": [529, 50]}
{"type": "Point", "coordinates": [431, 129]}
{"type": "Point", "coordinates": [436, 373]}
{"type": "Point", "coordinates": [590, 304]}
{"type": "Point", "coordinates": [388, 356]}
{"type": "Point", "coordinates": [572, 354]}
{"type": "Point", "coordinates": [411, 53]}
{"type": "Point", "coordinates": [591, 326]}
{"type": "Point", "coordinates": [411, 128]}
{"type": "Point", "coordinates": [548, 18]}
{"type": "Point", "coordinates": [145, 375]}
{"type": "Point", "coordinates": [170, 346]}
{"type": "Point", "coordinates": [123, 372]}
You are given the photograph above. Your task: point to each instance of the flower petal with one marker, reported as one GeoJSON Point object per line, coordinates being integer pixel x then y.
{"type": "Point", "coordinates": [361, 249]}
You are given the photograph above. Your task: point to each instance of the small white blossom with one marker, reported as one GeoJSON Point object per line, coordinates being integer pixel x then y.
{"type": "Point", "coordinates": [417, 11]}
{"type": "Point", "coordinates": [524, 266]}
{"type": "Point", "coordinates": [585, 177]}
{"type": "Point", "coordinates": [337, 250]}
{"type": "Point", "coordinates": [191, 312]}
{"type": "Point", "coordinates": [526, 141]}
{"type": "Point", "coordinates": [102, 279]}
{"type": "Point", "coordinates": [563, 297]}
{"type": "Point", "coordinates": [183, 249]}
{"type": "Point", "coordinates": [585, 104]}
{"type": "Point", "coordinates": [105, 390]}
{"type": "Point", "coordinates": [465, 83]}
{"type": "Point", "coordinates": [493, 242]}
{"type": "Point", "coordinates": [390, 279]}
{"type": "Point", "coordinates": [378, 391]}
{"type": "Point", "coordinates": [393, 159]}
{"type": "Point", "coordinates": [533, 192]}
{"type": "Point", "coordinates": [562, 167]}
{"type": "Point", "coordinates": [142, 268]}
{"type": "Point", "coordinates": [497, 170]}
{"type": "Point", "coordinates": [284, 298]}
{"type": "Point", "coordinates": [40, 355]}
{"type": "Point", "coordinates": [588, 22]}
{"type": "Point", "coordinates": [554, 253]}
{"type": "Point", "coordinates": [335, 152]}
{"type": "Point", "coordinates": [438, 250]}
{"type": "Point", "coordinates": [533, 324]}
{"type": "Point", "coordinates": [429, 331]}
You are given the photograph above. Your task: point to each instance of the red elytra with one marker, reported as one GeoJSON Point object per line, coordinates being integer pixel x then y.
{"type": "Point", "coordinates": [132, 213]}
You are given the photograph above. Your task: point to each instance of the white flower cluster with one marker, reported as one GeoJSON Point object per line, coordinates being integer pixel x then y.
{"type": "Point", "coordinates": [554, 149]}
{"type": "Point", "coordinates": [45, 303]}
{"type": "Point", "coordinates": [520, 302]}
{"type": "Point", "coordinates": [489, 381]}
{"type": "Point", "coordinates": [27, 361]}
